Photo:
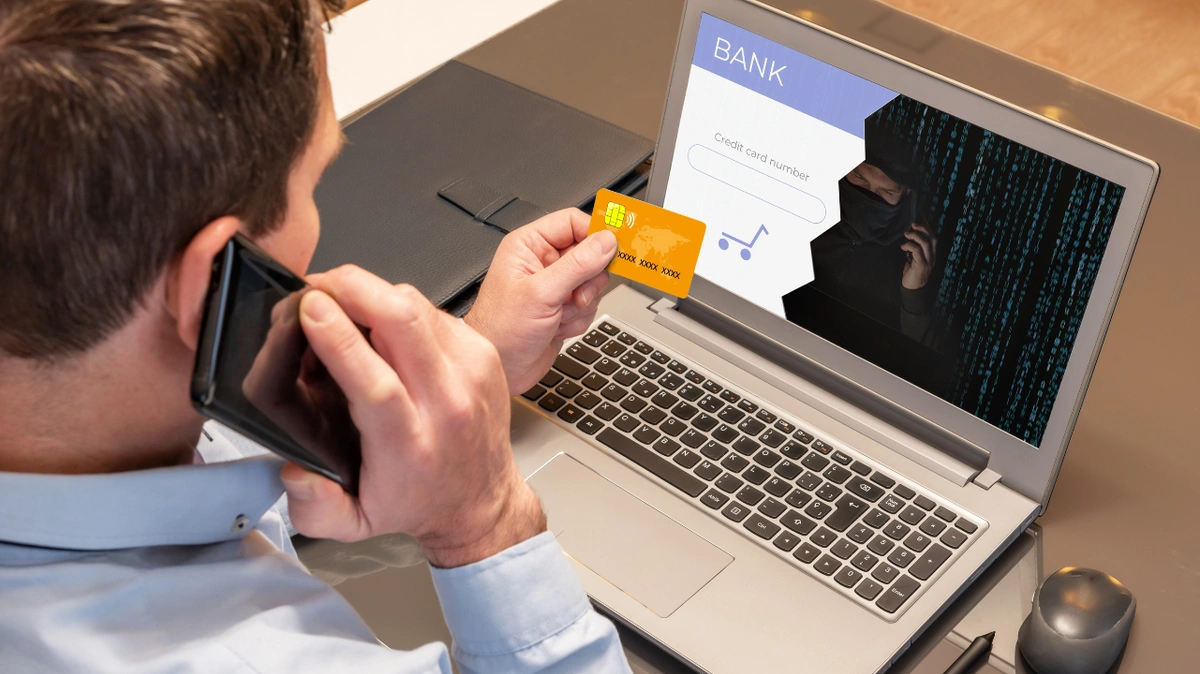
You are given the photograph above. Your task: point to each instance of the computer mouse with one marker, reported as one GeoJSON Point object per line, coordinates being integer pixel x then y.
{"type": "Point", "coordinates": [1079, 623]}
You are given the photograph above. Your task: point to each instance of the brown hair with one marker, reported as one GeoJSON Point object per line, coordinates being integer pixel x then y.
{"type": "Point", "coordinates": [125, 127]}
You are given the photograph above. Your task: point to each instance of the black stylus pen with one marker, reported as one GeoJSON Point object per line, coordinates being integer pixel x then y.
{"type": "Point", "coordinates": [977, 650]}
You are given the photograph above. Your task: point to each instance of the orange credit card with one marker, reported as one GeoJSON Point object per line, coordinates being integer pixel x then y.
{"type": "Point", "coordinates": [655, 247]}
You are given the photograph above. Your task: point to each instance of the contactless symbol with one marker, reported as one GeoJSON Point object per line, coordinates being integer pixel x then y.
{"type": "Point", "coordinates": [745, 252]}
{"type": "Point", "coordinates": [614, 216]}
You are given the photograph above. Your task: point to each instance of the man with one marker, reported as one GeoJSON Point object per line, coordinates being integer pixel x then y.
{"type": "Point", "coordinates": [136, 137]}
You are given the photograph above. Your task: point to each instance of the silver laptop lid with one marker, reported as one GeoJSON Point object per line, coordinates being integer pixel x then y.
{"type": "Point", "coordinates": [950, 253]}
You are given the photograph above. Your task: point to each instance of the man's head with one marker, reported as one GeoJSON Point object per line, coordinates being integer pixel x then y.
{"type": "Point", "coordinates": [136, 137]}
{"type": "Point", "coordinates": [877, 196]}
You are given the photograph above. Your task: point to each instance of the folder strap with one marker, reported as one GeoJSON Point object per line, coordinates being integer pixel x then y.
{"type": "Point", "coordinates": [489, 205]}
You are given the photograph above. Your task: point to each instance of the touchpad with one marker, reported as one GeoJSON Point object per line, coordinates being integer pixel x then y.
{"type": "Point", "coordinates": [616, 535]}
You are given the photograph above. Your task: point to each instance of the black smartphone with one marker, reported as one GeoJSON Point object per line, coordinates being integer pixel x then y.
{"type": "Point", "coordinates": [256, 374]}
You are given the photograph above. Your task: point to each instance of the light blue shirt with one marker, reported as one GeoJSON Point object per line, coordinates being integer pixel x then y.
{"type": "Point", "coordinates": [190, 569]}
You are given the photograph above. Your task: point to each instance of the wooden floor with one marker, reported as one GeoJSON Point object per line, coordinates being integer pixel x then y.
{"type": "Point", "coordinates": [1147, 51]}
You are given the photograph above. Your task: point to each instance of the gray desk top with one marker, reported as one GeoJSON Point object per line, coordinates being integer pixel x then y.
{"type": "Point", "coordinates": [1126, 499]}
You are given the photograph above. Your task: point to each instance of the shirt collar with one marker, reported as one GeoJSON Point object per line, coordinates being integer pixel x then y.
{"type": "Point", "coordinates": [179, 505]}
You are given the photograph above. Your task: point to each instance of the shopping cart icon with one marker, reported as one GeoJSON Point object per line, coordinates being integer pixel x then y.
{"type": "Point", "coordinates": [745, 252]}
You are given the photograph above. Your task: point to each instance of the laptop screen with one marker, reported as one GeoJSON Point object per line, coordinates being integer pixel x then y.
{"type": "Point", "coordinates": [948, 255]}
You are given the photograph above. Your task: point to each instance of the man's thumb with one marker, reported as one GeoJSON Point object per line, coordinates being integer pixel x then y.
{"type": "Point", "coordinates": [318, 507]}
{"type": "Point", "coordinates": [579, 265]}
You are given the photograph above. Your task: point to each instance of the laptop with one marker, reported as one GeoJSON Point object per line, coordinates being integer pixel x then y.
{"type": "Point", "coordinates": [867, 396]}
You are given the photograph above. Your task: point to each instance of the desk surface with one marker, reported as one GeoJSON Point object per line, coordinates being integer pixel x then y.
{"type": "Point", "coordinates": [1126, 500]}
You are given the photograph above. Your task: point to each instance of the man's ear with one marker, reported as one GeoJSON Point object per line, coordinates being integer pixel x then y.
{"type": "Point", "coordinates": [189, 275]}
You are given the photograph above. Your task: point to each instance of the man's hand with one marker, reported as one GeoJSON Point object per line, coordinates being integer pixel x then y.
{"type": "Point", "coordinates": [922, 253]}
{"type": "Point", "coordinates": [542, 288]}
{"type": "Point", "coordinates": [431, 403]}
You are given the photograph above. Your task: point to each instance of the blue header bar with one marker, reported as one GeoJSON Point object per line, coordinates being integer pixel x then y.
{"type": "Point", "coordinates": [801, 82]}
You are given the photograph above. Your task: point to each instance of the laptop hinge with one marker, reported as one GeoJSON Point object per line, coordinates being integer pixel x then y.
{"type": "Point", "coordinates": [987, 478]}
{"type": "Point", "coordinates": [927, 449]}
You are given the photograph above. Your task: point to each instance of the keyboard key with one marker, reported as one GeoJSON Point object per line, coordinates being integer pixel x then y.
{"type": "Point", "coordinates": [933, 526]}
{"type": "Point", "coordinates": [582, 353]}
{"type": "Point", "coordinates": [860, 468]}
{"type": "Point", "coordinates": [714, 450]}
{"type": "Point", "coordinates": [794, 450]}
{"type": "Point", "coordinates": [646, 435]}
{"type": "Point", "coordinates": [595, 338]}
{"type": "Point", "coordinates": [660, 467]}
{"type": "Point", "coordinates": [705, 422]}
{"type": "Point", "coordinates": [917, 542]}
{"type": "Point", "coordinates": [896, 530]}
{"type": "Point", "coordinates": [589, 425]}
{"type": "Point", "coordinates": [798, 523]}
{"type": "Point", "coordinates": [551, 379]}
{"type": "Point", "coordinates": [735, 463]}
{"type": "Point", "coordinates": [606, 411]}
{"type": "Point", "coordinates": [644, 348]}
{"type": "Point", "coordinates": [670, 381]}
{"type": "Point", "coordinates": [897, 594]}
{"type": "Point", "coordinates": [660, 358]}
{"type": "Point", "coordinates": [614, 349]}
{"type": "Point", "coordinates": [891, 504]}
{"type": "Point", "coordinates": [570, 414]}
{"type": "Point", "coordinates": [946, 514]}
{"type": "Point", "coordinates": [788, 470]}
{"type": "Point", "coordinates": [848, 510]}
{"type": "Point", "coordinates": [608, 328]}
{"type": "Point", "coordinates": [729, 483]}
{"type": "Point", "coordinates": [860, 533]}
{"type": "Point", "coordinates": [693, 439]}
{"type": "Point", "coordinates": [694, 377]}
{"type": "Point", "coordinates": [876, 518]}
{"type": "Point", "coordinates": [710, 403]}
{"type": "Point", "coordinates": [818, 509]}
{"type": "Point", "coordinates": [880, 545]}
{"type": "Point", "coordinates": [809, 481]}
{"type": "Point", "coordinates": [864, 561]}
{"type": "Point", "coordinates": [784, 427]}
{"type": "Point", "coordinates": [777, 487]}
{"type": "Point", "coordinates": [572, 368]}
{"type": "Point", "coordinates": [766, 417]}
{"type": "Point", "coordinates": [868, 589]}
{"type": "Point", "coordinates": [707, 470]}
{"type": "Point", "coordinates": [606, 366]}
{"type": "Point", "coordinates": [666, 446]}
{"type": "Point", "coordinates": [632, 404]}
{"type": "Point", "coordinates": [594, 382]}
{"type": "Point", "coordinates": [748, 406]}
{"type": "Point", "coordinates": [677, 367]}
{"type": "Point", "coordinates": [823, 537]}
{"type": "Point", "coordinates": [806, 553]}
{"type": "Point", "coordinates": [843, 549]}
{"type": "Point", "coordinates": [644, 388]}
{"type": "Point", "coordinates": [772, 508]}
{"type": "Point", "coordinates": [751, 426]}
{"type": "Point", "coordinates": [756, 475]}
{"type": "Point", "coordinates": [684, 411]}
{"type": "Point", "coordinates": [627, 422]}
{"type": "Point", "coordinates": [912, 515]}
{"type": "Point", "coordinates": [761, 527]}
{"type": "Point", "coordinates": [730, 397]}
{"type": "Point", "coordinates": [627, 339]}
{"type": "Point", "coordinates": [821, 446]}
{"type": "Point", "coordinates": [651, 370]}
{"type": "Point", "coordinates": [772, 438]}
{"type": "Point", "coordinates": [883, 480]}
{"type": "Point", "coordinates": [745, 446]}
{"type": "Point", "coordinates": [724, 434]}
{"type": "Point", "coordinates": [837, 474]}
{"type": "Point", "coordinates": [803, 437]}
{"type": "Point", "coordinates": [735, 512]}
{"type": "Point", "coordinates": [827, 565]}
{"type": "Point", "coordinates": [672, 427]}
{"type": "Point", "coordinates": [766, 458]}
{"type": "Point", "coordinates": [687, 458]}
{"type": "Point", "coordinates": [966, 525]}
{"type": "Point", "coordinates": [815, 462]}
{"type": "Point", "coordinates": [885, 573]}
{"type": "Point", "coordinates": [691, 392]}
{"type": "Point", "coordinates": [829, 492]}
{"type": "Point", "coordinates": [534, 393]}
{"type": "Point", "coordinates": [613, 392]}
{"type": "Point", "coordinates": [712, 386]}
{"type": "Point", "coordinates": [714, 499]}
{"type": "Point", "coordinates": [632, 359]}
{"type": "Point", "coordinates": [652, 415]}
{"type": "Point", "coordinates": [954, 539]}
{"type": "Point", "coordinates": [904, 492]}
{"type": "Point", "coordinates": [551, 402]}
{"type": "Point", "coordinates": [786, 541]}
{"type": "Point", "coordinates": [864, 489]}
{"type": "Point", "coordinates": [798, 499]}
{"type": "Point", "coordinates": [731, 415]}
{"type": "Point", "coordinates": [901, 557]}
{"type": "Point", "coordinates": [568, 389]}
{"type": "Point", "coordinates": [848, 577]}
{"type": "Point", "coordinates": [841, 457]}
{"type": "Point", "coordinates": [750, 495]}
{"type": "Point", "coordinates": [924, 503]}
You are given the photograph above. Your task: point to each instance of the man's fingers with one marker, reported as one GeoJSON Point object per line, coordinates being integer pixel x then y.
{"type": "Point", "coordinates": [587, 294]}
{"type": "Point", "coordinates": [918, 253]}
{"type": "Point", "coordinates": [581, 264]}
{"type": "Point", "coordinates": [922, 243]}
{"type": "Point", "coordinates": [562, 229]}
{"type": "Point", "coordinates": [320, 508]}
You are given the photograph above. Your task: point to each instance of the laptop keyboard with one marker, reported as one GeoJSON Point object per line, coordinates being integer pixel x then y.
{"type": "Point", "coordinates": [828, 510]}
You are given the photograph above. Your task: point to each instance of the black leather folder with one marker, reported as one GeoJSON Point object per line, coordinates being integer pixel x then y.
{"type": "Point", "coordinates": [432, 179]}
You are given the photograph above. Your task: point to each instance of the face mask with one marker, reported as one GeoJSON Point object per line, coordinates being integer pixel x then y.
{"type": "Point", "coordinates": [871, 218]}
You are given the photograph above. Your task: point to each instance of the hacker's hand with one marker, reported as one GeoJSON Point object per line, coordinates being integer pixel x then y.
{"type": "Point", "coordinates": [543, 287]}
{"type": "Point", "coordinates": [431, 404]}
{"type": "Point", "coordinates": [922, 253]}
